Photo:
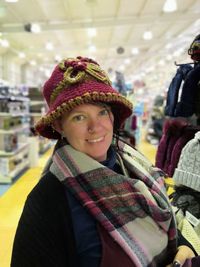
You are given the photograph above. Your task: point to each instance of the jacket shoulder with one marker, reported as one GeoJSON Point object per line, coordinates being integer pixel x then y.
{"type": "Point", "coordinates": [47, 187]}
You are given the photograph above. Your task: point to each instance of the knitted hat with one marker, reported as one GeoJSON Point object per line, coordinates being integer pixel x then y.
{"type": "Point", "coordinates": [194, 50]}
{"type": "Point", "coordinates": [76, 81]}
{"type": "Point", "coordinates": [187, 172]}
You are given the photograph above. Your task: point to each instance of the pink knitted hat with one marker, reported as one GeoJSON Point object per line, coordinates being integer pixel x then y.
{"type": "Point", "coordinates": [76, 81]}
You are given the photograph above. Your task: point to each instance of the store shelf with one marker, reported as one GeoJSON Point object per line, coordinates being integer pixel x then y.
{"type": "Point", "coordinates": [18, 115]}
{"type": "Point", "coordinates": [36, 102]}
{"type": "Point", "coordinates": [14, 130]}
{"type": "Point", "coordinates": [8, 114]}
{"type": "Point", "coordinates": [13, 163]}
{"type": "Point", "coordinates": [15, 98]}
{"type": "Point", "coordinates": [35, 114]}
{"type": "Point", "coordinates": [15, 152]}
{"type": "Point", "coordinates": [7, 179]}
{"type": "Point", "coordinates": [24, 164]}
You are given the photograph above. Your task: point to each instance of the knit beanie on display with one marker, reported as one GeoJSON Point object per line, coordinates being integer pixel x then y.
{"type": "Point", "coordinates": [187, 172]}
{"type": "Point", "coordinates": [194, 50]}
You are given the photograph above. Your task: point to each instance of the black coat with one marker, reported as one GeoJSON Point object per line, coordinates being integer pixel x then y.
{"type": "Point", "coordinates": [44, 235]}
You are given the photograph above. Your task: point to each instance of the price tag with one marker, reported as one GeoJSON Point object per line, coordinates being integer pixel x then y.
{"type": "Point", "coordinates": [192, 219]}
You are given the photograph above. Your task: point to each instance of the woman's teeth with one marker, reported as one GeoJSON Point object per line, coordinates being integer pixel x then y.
{"type": "Point", "coordinates": [96, 140]}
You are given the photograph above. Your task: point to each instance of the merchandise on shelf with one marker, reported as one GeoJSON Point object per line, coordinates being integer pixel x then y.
{"type": "Point", "coordinates": [14, 132]}
{"type": "Point", "coordinates": [13, 163]}
{"type": "Point", "coordinates": [8, 142]}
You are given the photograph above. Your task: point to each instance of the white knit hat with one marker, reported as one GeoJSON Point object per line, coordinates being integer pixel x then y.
{"type": "Point", "coordinates": [187, 172]}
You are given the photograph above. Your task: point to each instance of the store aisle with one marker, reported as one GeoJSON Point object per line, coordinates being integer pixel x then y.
{"type": "Point", "coordinates": [11, 203]}
{"type": "Point", "coordinates": [148, 150]}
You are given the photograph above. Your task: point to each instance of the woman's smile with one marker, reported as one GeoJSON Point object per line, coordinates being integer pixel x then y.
{"type": "Point", "coordinates": [97, 140]}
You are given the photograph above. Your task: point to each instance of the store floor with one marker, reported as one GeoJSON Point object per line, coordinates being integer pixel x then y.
{"type": "Point", "coordinates": [12, 201]}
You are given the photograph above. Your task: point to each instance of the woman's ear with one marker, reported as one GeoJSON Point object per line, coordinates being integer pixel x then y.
{"type": "Point", "coordinates": [57, 126]}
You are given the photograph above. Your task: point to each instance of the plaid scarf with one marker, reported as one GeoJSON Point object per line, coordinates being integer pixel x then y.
{"type": "Point", "coordinates": [134, 210]}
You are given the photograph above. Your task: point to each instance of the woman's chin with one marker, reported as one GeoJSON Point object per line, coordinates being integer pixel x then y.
{"type": "Point", "coordinates": [98, 156]}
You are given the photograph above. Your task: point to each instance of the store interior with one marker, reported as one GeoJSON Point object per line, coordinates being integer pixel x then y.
{"type": "Point", "coordinates": [140, 43]}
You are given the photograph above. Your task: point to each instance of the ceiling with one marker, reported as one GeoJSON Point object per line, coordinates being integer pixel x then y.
{"type": "Point", "coordinates": [119, 23]}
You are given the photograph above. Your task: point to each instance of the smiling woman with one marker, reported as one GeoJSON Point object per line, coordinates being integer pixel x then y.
{"type": "Point", "coordinates": [98, 197]}
{"type": "Point", "coordinates": [88, 128]}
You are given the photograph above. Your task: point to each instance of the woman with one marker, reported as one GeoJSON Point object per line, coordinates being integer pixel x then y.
{"type": "Point", "coordinates": [99, 202]}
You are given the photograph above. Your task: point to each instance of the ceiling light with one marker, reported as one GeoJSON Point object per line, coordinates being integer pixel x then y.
{"type": "Point", "coordinates": [121, 67]}
{"type": "Point", "coordinates": [168, 46]}
{"type": "Point", "coordinates": [58, 58]}
{"type": "Point", "coordinates": [169, 57]}
{"type": "Point", "coordinates": [178, 52]}
{"type": "Point", "coordinates": [135, 51]}
{"type": "Point", "coordinates": [35, 28]}
{"type": "Point", "coordinates": [33, 62]}
{"type": "Point", "coordinates": [161, 62]}
{"type": "Point", "coordinates": [47, 73]}
{"type": "Point", "coordinates": [170, 6]}
{"type": "Point", "coordinates": [147, 35]}
{"type": "Point", "coordinates": [91, 1]}
{"type": "Point", "coordinates": [92, 32]}
{"type": "Point", "coordinates": [4, 43]}
{"type": "Point", "coordinates": [11, 1]}
{"type": "Point", "coordinates": [41, 68]}
{"type": "Point", "coordinates": [21, 55]}
{"type": "Point", "coordinates": [150, 69]}
{"type": "Point", "coordinates": [40, 55]}
{"type": "Point", "coordinates": [127, 61]}
{"type": "Point", "coordinates": [49, 46]}
{"type": "Point", "coordinates": [32, 27]}
{"type": "Point", "coordinates": [92, 48]}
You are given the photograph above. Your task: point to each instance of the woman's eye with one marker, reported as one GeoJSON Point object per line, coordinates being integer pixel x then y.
{"type": "Point", "coordinates": [104, 112]}
{"type": "Point", "coordinates": [78, 118]}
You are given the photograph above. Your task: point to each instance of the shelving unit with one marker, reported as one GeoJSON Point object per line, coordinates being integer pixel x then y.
{"type": "Point", "coordinates": [19, 147]}
{"type": "Point", "coordinates": [14, 133]}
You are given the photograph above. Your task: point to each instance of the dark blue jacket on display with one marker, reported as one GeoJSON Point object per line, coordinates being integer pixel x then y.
{"type": "Point", "coordinates": [174, 88]}
{"type": "Point", "coordinates": [186, 106]}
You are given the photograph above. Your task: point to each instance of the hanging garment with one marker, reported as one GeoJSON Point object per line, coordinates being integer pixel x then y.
{"type": "Point", "coordinates": [186, 106]}
{"type": "Point", "coordinates": [172, 130]}
{"type": "Point", "coordinates": [197, 101]}
{"type": "Point", "coordinates": [134, 122]}
{"type": "Point", "coordinates": [176, 134]}
{"type": "Point", "coordinates": [188, 134]}
{"type": "Point", "coordinates": [173, 91]}
{"type": "Point", "coordinates": [182, 94]}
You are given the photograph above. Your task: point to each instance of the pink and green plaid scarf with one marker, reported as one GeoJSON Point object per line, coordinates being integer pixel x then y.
{"type": "Point", "coordinates": [134, 210]}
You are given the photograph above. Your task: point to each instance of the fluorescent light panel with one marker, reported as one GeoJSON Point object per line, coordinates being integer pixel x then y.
{"type": "Point", "coordinates": [11, 1]}
{"type": "Point", "coordinates": [170, 6]}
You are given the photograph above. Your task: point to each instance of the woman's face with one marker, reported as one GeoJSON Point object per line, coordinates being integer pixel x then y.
{"type": "Point", "coordinates": [89, 129]}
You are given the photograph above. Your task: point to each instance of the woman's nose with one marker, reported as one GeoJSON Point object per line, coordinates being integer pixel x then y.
{"type": "Point", "coordinates": [93, 125]}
